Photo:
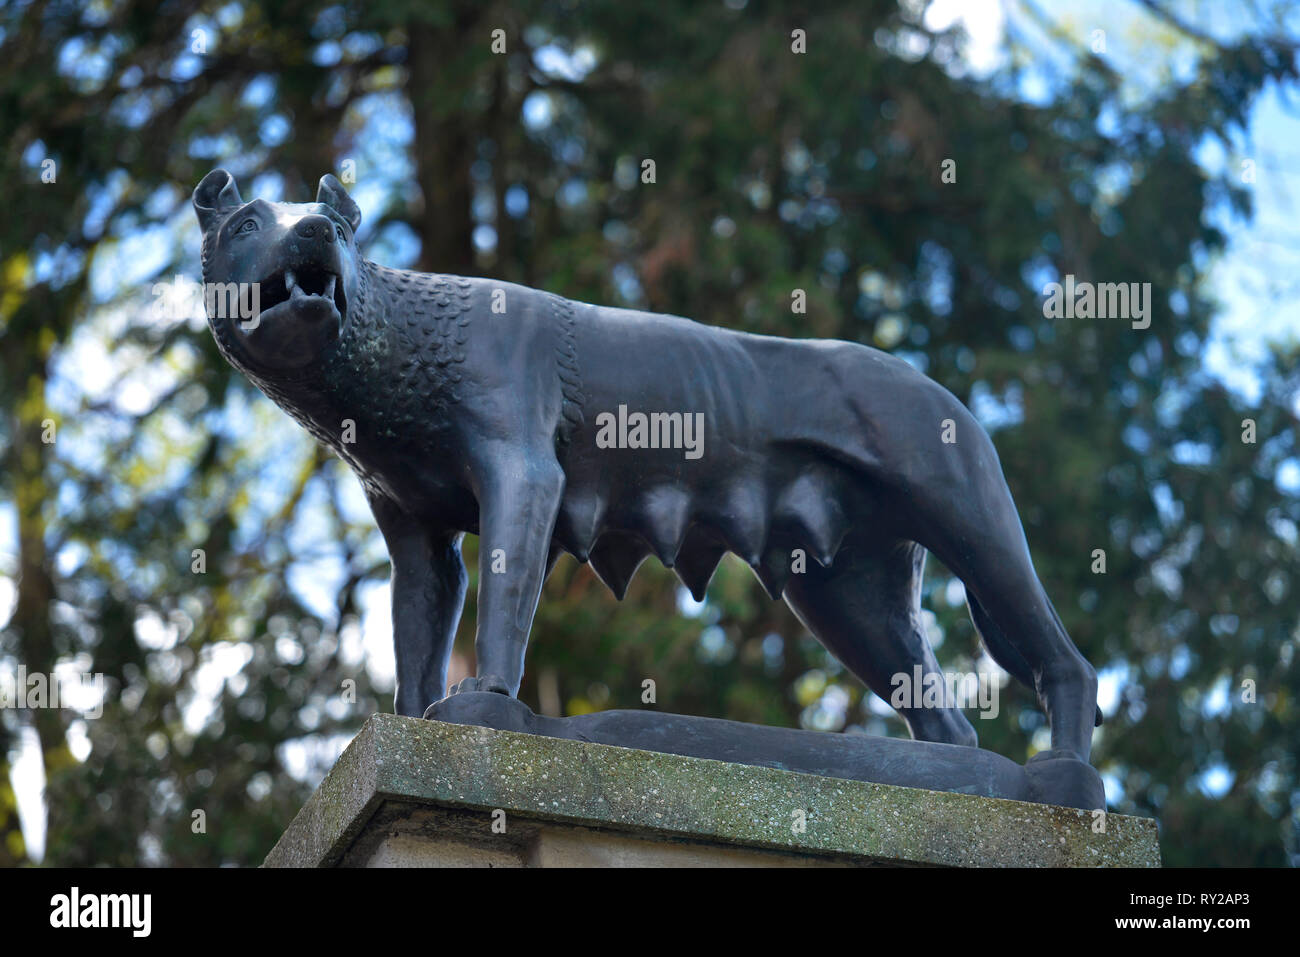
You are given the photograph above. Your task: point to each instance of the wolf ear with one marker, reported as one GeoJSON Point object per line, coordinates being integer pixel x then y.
{"type": "Point", "coordinates": [331, 193]}
{"type": "Point", "coordinates": [216, 194]}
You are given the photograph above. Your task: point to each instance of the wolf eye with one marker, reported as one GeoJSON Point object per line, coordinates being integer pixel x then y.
{"type": "Point", "coordinates": [248, 226]}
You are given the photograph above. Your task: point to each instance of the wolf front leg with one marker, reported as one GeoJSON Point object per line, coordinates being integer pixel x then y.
{"type": "Point", "coordinates": [519, 498]}
{"type": "Point", "coordinates": [428, 586]}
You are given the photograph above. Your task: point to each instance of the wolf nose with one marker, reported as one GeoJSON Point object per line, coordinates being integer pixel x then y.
{"type": "Point", "coordinates": [311, 227]}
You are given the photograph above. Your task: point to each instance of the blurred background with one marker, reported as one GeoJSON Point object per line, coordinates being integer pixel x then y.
{"type": "Point", "coordinates": [164, 525]}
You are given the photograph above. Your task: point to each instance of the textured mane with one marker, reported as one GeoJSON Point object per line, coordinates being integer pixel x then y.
{"type": "Point", "coordinates": [407, 330]}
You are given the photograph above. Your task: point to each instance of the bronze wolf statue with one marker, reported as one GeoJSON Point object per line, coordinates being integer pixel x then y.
{"type": "Point", "coordinates": [545, 425]}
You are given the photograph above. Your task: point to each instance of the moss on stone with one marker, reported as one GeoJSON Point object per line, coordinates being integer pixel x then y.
{"type": "Point", "coordinates": [664, 796]}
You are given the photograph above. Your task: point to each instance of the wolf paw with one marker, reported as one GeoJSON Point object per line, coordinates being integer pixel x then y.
{"type": "Point", "coordinates": [1062, 777]}
{"type": "Point", "coordinates": [481, 683]}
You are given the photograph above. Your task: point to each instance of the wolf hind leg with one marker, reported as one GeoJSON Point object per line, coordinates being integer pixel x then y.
{"type": "Point", "coordinates": [866, 609]}
{"type": "Point", "coordinates": [1016, 619]}
{"type": "Point", "coordinates": [1003, 651]}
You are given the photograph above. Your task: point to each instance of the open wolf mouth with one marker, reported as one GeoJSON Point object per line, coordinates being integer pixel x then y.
{"type": "Point", "coordinates": [304, 286]}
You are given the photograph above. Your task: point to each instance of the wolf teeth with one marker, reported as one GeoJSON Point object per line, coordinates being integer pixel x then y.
{"type": "Point", "coordinates": [297, 292]}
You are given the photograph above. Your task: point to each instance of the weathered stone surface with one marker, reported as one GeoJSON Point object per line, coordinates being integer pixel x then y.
{"type": "Point", "coordinates": [408, 835]}
{"type": "Point", "coordinates": [1049, 778]}
{"type": "Point", "coordinates": [404, 785]}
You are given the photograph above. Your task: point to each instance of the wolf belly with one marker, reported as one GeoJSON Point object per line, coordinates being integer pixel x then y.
{"type": "Point", "coordinates": [690, 458]}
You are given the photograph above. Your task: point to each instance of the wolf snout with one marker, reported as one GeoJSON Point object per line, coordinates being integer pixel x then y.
{"type": "Point", "coordinates": [316, 227]}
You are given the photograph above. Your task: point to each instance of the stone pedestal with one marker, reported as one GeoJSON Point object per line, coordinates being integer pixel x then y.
{"type": "Point", "coordinates": [409, 792]}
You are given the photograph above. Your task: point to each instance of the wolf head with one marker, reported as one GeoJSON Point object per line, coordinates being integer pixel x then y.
{"type": "Point", "coordinates": [296, 262]}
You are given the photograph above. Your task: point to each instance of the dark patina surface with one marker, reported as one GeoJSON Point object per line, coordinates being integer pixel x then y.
{"type": "Point", "coordinates": [473, 405]}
